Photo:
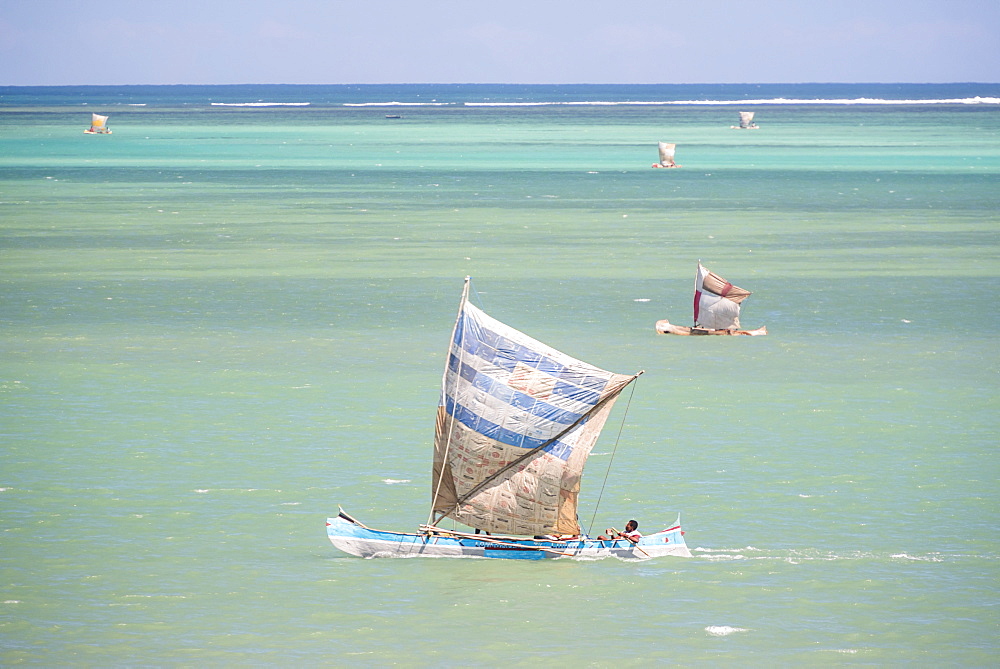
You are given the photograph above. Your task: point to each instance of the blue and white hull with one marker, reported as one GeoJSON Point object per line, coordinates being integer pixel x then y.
{"type": "Point", "coordinates": [353, 538]}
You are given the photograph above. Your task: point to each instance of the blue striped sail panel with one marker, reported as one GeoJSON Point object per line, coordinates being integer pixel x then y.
{"type": "Point", "coordinates": [504, 394]}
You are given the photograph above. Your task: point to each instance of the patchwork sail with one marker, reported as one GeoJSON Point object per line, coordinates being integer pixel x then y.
{"type": "Point", "coordinates": [746, 121]}
{"type": "Point", "coordinates": [516, 422]}
{"type": "Point", "coordinates": [98, 125]}
{"type": "Point", "coordinates": [716, 308]}
{"type": "Point", "coordinates": [666, 155]}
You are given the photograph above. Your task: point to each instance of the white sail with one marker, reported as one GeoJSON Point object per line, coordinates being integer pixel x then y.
{"type": "Point", "coordinates": [515, 425]}
{"type": "Point", "coordinates": [98, 124]}
{"type": "Point", "coordinates": [666, 154]}
{"type": "Point", "coordinates": [716, 301]}
{"type": "Point", "coordinates": [746, 119]}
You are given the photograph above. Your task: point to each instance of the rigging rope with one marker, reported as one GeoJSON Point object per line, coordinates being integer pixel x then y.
{"type": "Point", "coordinates": [614, 450]}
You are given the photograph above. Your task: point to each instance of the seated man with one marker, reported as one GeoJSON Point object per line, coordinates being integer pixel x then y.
{"type": "Point", "coordinates": [631, 533]}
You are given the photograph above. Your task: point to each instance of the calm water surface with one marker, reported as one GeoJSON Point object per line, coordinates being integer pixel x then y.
{"type": "Point", "coordinates": [220, 323]}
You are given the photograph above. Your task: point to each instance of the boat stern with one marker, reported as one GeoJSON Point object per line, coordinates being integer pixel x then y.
{"type": "Point", "coordinates": [665, 542]}
{"type": "Point", "coordinates": [346, 534]}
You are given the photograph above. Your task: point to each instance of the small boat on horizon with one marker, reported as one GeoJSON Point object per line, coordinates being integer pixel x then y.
{"type": "Point", "coordinates": [98, 125]}
{"type": "Point", "coordinates": [516, 422]}
{"type": "Point", "coordinates": [666, 155]}
{"type": "Point", "coordinates": [746, 121]}
{"type": "Point", "coordinates": [716, 308]}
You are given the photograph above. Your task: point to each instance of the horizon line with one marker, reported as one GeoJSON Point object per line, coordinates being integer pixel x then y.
{"type": "Point", "coordinates": [514, 83]}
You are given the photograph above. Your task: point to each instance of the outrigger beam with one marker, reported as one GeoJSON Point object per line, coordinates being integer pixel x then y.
{"type": "Point", "coordinates": [433, 530]}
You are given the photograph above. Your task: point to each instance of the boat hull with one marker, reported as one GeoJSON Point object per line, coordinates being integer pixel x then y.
{"type": "Point", "coordinates": [666, 327]}
{"type": "Point", "coordinates": [353, 538]}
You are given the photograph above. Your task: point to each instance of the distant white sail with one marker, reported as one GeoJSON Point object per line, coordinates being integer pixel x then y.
{"type": "Point", "coordinates": [666, 154]}
{"type": "Point", "coordinates": [98, 125]}
{"type": "Point", "coordinates": [716, 301]}
{"type": "Point", "coordinates": [746, 121]}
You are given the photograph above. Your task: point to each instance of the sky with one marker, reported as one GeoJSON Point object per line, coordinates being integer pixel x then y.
{"type": "Point", "coordinates": [108, 42]}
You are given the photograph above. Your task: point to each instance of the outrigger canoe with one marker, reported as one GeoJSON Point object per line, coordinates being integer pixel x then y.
{"type": "Point", "coordinates": [354, 538]}
{"type": "Point", "coordinates": [666, 327]}
{"type": "Point", "coordinates": [515, 423]}
{"type": "Point", "coordinates": [716, 308]}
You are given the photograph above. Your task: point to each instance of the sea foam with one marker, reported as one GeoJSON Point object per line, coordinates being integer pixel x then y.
{"type": "Point", "coordinates": [723, 630]}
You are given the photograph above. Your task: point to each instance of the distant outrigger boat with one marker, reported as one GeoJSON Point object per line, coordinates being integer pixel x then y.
{"type": "Point", "coordinates": [515, 424]}
{"type": "Point", "coordinates": [716, 308]}
{"type": "Point", "coordinates": [746, 122]}
{"type": "Point", "coordinates": [666, 155]}
{"type": "Point", "coordinates": [98, 125]}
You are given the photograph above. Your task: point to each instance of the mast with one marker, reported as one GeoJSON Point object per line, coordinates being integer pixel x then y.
{"type": "Point", "coordinates": [436, 485]}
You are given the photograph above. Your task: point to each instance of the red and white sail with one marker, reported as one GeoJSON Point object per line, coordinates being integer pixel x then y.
{"type": "Point", "coordinates": [716, 301]}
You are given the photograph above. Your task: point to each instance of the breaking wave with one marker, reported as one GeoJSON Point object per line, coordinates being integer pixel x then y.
{"type": "Point", "coordinates": [261, 104]}
{"type": "Point", "coordinates": [766, 101]}
{"type": "Point", "coordinates": [723, 630]}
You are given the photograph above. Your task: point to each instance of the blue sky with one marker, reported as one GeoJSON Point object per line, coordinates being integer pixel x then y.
{"type": "Point", "coordinates": [66, 42]}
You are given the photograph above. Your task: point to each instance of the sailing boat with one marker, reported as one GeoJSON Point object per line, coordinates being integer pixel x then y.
{"type": "Point", "coordinates": [746, 122]}
{"type": "Point", "coordinates": [666, 155]}
{"type": "Point", "coordinates": [716, 308]}
{"type": "Point", "coordinates": [98, 125]}
{"type": "Point", "coordinates": [515, 424]}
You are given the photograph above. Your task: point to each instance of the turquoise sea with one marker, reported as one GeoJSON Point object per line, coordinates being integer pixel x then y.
{"type": "Point", "coordinates": [230, 316]}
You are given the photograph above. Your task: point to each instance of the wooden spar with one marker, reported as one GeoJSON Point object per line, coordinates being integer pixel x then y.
{"type": "Point", "coordinates": [513, 463]}
{"type": "Point", "coordinates": [343, 515]}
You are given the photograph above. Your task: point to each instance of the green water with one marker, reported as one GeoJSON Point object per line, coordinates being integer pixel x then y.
{"type": "Point", "coordinates": [218, 326]}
